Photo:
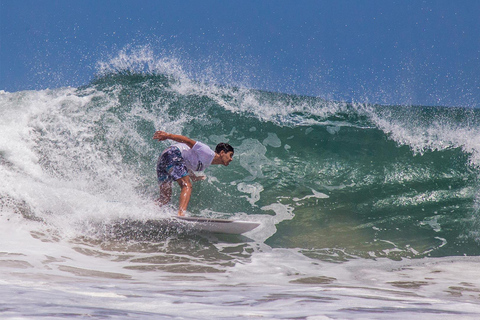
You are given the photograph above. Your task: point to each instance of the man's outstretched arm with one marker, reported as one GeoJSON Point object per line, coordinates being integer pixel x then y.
{"type": "Point", "coordinates": [162, 135]}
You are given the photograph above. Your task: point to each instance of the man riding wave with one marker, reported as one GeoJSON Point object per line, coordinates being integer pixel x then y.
{"type": "Point", "coordinates": [179, 161]}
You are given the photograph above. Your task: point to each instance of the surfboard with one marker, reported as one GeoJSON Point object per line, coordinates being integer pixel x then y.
{"type": "Point", "coordinates": [164, 227]}
{"type": "Point", "coordinates": [218, 225]}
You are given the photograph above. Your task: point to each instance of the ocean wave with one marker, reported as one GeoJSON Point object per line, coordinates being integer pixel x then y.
{"type": "Point", "coordinates": [385, 173]}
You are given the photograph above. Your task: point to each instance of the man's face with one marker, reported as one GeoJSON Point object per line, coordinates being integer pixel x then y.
{"type": "Point", "coordinates": [226, 157]}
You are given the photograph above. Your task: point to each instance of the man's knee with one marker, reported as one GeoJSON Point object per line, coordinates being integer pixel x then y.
{"type": "Point", "coordinates": [185, 183]}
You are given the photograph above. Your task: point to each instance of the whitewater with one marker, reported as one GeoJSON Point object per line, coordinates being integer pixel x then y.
{"type": "Point", "coordinates": [366, 211]}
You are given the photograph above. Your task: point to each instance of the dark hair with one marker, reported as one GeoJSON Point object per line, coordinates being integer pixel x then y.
{"type": "Point", "coordinates": [223, 147]}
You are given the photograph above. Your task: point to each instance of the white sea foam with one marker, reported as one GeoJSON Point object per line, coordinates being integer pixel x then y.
{"type": "Point", "coordinates": [440, 133]}
{"type": "Point", "coordinates": [46, 277]}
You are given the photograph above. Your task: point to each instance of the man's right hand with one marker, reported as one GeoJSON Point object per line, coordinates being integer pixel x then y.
{"type": "Point", "coordinates": [161, 135]}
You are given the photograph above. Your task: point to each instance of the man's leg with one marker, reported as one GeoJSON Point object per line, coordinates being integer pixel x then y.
{"type": "Point", "coordinates": [186, 185]}
{"type": "Point", "coordinates": [165, 193]}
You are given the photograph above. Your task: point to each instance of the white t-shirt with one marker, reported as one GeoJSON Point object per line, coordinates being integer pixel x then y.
{"type": "Point", "coordinates": [197, 158]}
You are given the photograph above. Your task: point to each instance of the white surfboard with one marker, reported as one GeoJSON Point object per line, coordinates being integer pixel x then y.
{"type": "Point", "coordinates": [219, 225]}
{"type": "Point", "coordinates": [158, 228]}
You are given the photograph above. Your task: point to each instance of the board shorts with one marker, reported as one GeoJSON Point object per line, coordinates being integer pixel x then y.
{"type": "Point", "coordinates": [171, 165]}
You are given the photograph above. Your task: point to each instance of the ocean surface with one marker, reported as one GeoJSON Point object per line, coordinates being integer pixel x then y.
{"type": "Point", "coordinates": [366, 211]}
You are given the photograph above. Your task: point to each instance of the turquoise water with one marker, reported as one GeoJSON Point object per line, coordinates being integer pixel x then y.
{"type": "Point", "coordinates": [360, 178]}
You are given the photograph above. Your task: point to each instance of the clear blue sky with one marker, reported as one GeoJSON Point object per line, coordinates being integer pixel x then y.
{"type": "Point", "coordinates": [396, 52]}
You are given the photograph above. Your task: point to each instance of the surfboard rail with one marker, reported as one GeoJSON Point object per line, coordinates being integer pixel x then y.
{"type": "Point", "coordinates": [219, 225]}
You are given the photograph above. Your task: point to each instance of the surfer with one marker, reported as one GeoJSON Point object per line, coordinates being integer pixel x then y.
{"type": "Point", "coordinates": [179, 161]}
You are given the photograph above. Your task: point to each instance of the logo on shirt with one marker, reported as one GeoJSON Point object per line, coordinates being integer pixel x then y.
{"type": "Point", "coordinates": [199, 166]}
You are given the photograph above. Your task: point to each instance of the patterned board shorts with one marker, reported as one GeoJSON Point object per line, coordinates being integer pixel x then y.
{"type": "Point", "coordinates": [171, 165]}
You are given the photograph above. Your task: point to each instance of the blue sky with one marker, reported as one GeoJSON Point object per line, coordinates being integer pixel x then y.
{"type": "Point", "coordinates": [390, 52]}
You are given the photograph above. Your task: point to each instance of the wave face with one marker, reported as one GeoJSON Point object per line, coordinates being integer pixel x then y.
{"type": "Point", "coordinates": [336, 180]}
